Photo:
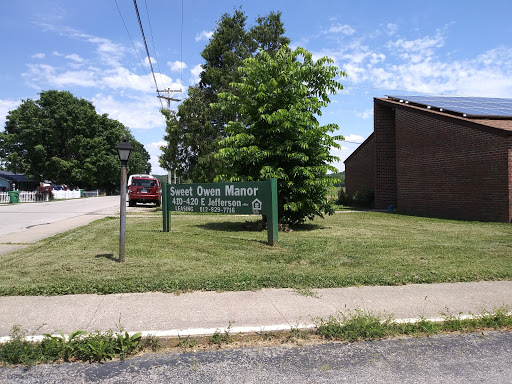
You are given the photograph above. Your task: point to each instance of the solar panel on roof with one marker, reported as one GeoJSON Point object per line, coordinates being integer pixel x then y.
{"type": "Point", "coordinates": [467, 106]}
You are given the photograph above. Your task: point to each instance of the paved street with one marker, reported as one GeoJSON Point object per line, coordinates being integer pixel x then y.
{"type": "Point", "coordinates": [468, 358]}
{"type": "Point", "coordinates": [19, 217]}
{"type": "Point", "coordinates": [30, 222]}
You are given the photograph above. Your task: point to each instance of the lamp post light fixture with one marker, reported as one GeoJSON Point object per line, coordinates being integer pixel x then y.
{"type": "Point", "coordinates": [124, 150]}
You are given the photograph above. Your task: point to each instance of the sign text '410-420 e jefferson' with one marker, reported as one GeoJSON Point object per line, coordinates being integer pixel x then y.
{"type": "Point", "coordinates": [244, 198]}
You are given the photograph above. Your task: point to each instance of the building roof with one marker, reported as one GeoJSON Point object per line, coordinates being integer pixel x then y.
{"type": "Point", "coordinates": [470, 107]}
{"type": "Point", "coordinates": [483, 115]}
{"type": "Point", "coordinates": [363, 144]}
{"type": "Point", "coordinates": [499, 124]}
{"type": "Point", "coordinates": [15, 177]}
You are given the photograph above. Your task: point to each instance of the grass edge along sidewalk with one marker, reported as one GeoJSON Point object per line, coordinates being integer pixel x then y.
{"type": "Point", "coordinates": [355, 326]}
{"type": "Point", "coordinates": [216, 252]}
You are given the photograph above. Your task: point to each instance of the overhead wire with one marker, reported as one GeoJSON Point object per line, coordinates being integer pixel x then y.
{"type": "Point", "coordinates": [153, 43]}
{"type": "Point", "coordinates": [133, 45]}
{"type": "Point", "coordinates": [146, 46]}
{"type": "Point", "coordinates": [181, 45]}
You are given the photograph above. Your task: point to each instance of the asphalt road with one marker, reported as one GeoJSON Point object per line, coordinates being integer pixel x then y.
{"type": "Point", "coordinates": [453, 358]}
{"type": "Point", "coordinates": [19, 217]}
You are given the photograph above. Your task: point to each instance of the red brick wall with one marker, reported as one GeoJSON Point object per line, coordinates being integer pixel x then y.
{"type": "Point", "coordinates": [360, 168]}
{"type": "Point", "coordinates": [385, 155]}
{"type": "Point", "coordinates": [510, 181]}
{"type": "Point", "coordinates": [446, 169]}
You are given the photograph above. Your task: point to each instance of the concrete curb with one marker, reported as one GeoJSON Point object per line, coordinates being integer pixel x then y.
{"type": "Point", "coordinates": [247, 331]}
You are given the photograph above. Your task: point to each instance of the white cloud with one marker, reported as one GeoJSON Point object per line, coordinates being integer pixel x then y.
{"type": "Point", "coordinates": [77, 78]}
{"type": "Point", "coordinates": [176, 66]}
{"type": "Point", "coordinates": [365, 115]}
{"type": "Point", "coordinates": [75, 57]}
{"type": "Point", "coordinates": [204, 35]}
{"type": "Point", "coordinates": [154, 151]}
{"type": "Point", "coordinates": [39, 56]}
{"type": "Point", "coordinates": [119, 78]}
{"type": "Point", "coordinates": [146, 61]}
{"type": "Point", "coordinates": [341, 29]}
{"type": "Point", "coordinates": [342, 153]}
{"type": "Point", "coordinates": [391, 29]}
{"type": "Point", "coordinates": [196, 71]}
{"type": "Point", "coordinates": [5, 107]}
{"type": "Point", "coordinates": [141, 113]}
{"type": "Point", "coordinates": [417, 50]}
{"type": "Point", "coordinates": [421, 66]}
{"type": "Point", "coordinates": [41, 75]}
{"type": "Point", "coordinates": [354, 138]}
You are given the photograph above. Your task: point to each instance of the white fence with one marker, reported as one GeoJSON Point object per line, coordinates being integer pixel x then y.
{"type": "Point", "coordinates": [66, 195]}
{"type": "Point", "coordinates": [30, 197]}
{"type": "Point", "coordinates": [4, 198]}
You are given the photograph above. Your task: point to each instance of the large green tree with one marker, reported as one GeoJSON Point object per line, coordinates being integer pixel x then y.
{"type": "Point", "coordinates": [61, 138]}
{"type": "Point", "coordinates": [280, 97]}
{"type": "Point", "coordinates": [193, 132]}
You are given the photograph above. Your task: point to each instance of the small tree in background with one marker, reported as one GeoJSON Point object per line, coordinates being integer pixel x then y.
{"type": "Point", "coordinates": [277, 133]}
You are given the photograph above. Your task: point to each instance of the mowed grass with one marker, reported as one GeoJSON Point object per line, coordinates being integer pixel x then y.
{"type": "Point", "coordinates": [216, 253]}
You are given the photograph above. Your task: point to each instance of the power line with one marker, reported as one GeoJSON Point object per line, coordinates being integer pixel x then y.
{"type": "Point", "coordinates": [145, 43]}
{"type": "Point", "coordinates": [153, 42]}
{"type": "Point", "coordinates": [133, 45]}
{"type": "Point", "coordinates": [351, 142]}
{"type": "Point", "coordinates": [181, 45]}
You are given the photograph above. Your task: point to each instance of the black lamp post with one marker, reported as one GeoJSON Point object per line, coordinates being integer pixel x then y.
{"type": "Point", "coordinates": [124, 150]}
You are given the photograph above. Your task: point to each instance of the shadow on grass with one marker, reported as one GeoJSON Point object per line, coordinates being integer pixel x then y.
{"type": "Point", "coordinates": [306, 227]}
{"type": "Point", "coordinates": [108, 256]}
{"type": "Point", "coordinates": [226, 226]}
{"type": "Point", "coordinates": [252, 226]}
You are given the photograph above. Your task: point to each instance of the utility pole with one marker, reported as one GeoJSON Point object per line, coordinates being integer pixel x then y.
{"type": "Point", "coordinates": [168, 98]}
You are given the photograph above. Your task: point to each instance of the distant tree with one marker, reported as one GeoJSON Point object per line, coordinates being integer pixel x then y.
{"type": "Point", "coordinates": [193, 132]}
{"type": "Point", "coordinates": [268, 34]}
{"type": "Point", "coordinates": [62, 139]}
{"type": "Point", "coordinates": [279, 98]}
{"type": "Point", "coordinates": [339, 177]}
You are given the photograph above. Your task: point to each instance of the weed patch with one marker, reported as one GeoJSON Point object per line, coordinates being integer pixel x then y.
{"type": "Point", "coordinates": [78, 346]}
{"type": "Point", "coordinates": [361, 325]}
{"type": "Point", "coordinates": [220, 338]}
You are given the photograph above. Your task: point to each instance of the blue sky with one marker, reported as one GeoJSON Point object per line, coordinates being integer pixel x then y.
{"type": "Point", "coordinates": [456, 48]}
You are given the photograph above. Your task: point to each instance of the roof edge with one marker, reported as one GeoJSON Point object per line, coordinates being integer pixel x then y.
{"type": "Point", "coordinates": [362, 145]}
{"type": "Point", "coordinates": [444, 116]}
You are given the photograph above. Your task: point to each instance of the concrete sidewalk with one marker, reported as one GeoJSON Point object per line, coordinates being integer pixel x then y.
{"type": "Point", "coordinates": [202, 313]}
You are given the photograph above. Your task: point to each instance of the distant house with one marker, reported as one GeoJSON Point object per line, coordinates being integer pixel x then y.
{"type": "Point", "coordinates": [10, 181]}
{"type": "Point", "coordinates": [438, 156]}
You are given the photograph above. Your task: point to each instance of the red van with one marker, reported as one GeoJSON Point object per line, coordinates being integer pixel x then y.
{"type": "Point", "coordinates": [144, 189]}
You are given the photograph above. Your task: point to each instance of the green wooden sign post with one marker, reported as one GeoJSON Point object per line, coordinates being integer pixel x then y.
{"type": "Point", "coordinates": [243, 198]}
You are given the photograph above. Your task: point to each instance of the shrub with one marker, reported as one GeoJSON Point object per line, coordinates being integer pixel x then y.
{"type": "Point", "coordinates": [364, 198]}
{"type": "Point", "coordinates": [344, 198]}
{"type": "Point", "coordinates": [43, 192]}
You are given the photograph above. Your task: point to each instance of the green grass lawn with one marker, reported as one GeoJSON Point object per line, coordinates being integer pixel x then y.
{"type": "Point", "coordinates": [212, 252]}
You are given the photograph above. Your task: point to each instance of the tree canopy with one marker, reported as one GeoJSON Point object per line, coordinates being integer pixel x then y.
{"type": "Point", "coordinates": [193, 132]}
{"type": "Point", "coordinates": [278, 98]}
{"type": "Point", "coordinates": [61, 138]}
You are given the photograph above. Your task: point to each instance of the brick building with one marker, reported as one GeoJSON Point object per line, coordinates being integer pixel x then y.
{"type": "Point", "coordinates": [442, 157]}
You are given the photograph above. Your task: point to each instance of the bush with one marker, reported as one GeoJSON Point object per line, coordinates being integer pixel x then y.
{"type": "Point", "coordinates": [364, 198]}
{"type": "Point", "coordinates": [42, 192]}
{"type": "Point", "coordinates": [344, 198]}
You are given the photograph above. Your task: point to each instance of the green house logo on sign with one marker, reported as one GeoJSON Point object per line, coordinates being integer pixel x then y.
{"type": "Point", "coordinates": [243, 198]}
